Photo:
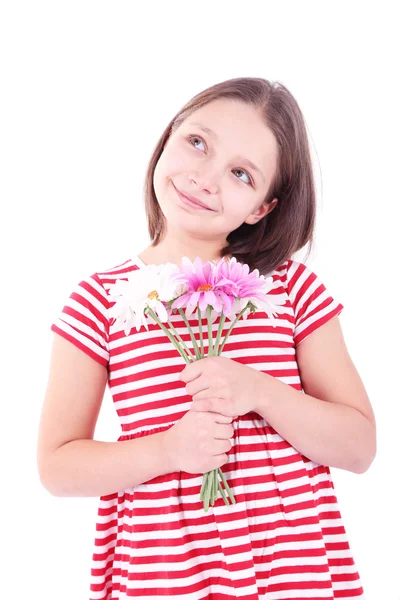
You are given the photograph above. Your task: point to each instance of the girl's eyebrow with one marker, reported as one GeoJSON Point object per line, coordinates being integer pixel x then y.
{"type": "Point", "coordinates": [246, 161]}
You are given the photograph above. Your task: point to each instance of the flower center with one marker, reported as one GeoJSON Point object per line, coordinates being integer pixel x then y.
{"type": "Point", "coordinates": [206, 287]}
{"type": "Point", "coordinates": [153, 295]}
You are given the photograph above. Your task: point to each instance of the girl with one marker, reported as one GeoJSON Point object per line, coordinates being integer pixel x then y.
{"type": "Point", "coordinates": [230, 176]}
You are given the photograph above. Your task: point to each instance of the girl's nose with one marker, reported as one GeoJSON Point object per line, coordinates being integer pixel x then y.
{"type": "Point", "coordinates": [206, 183]}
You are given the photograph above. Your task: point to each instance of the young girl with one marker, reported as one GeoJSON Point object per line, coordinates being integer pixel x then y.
{"type": "Point", "coordinates": [230, 176]}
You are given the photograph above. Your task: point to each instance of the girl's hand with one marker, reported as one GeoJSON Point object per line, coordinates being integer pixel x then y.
{"type": "Point", "coordinates": [221, 385]}
{"type": "Point", "coordinates": [199, 442]}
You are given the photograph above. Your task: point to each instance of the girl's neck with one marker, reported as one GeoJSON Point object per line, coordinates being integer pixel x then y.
{"type": "Point", "coordinates": [156, 256]}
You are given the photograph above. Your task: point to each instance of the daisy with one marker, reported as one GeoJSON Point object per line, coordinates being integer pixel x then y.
{"type": "Point", "coordinates": [146, 288]}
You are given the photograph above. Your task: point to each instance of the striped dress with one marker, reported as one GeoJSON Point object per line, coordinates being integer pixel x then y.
{"type": "Point", "coordinates": [284, 538]}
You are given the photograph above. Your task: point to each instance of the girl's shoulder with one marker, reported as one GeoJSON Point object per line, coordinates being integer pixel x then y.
{"type": "Point", "coordinates": [309, 298]}
{"type": "Point", "coordinates": [290, 271]}
{"type": "Point", "coordinates": [83, 319]}
{"type": "Point", "coordinates": [118, 271]}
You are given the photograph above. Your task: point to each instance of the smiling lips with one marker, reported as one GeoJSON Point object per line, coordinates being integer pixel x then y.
{"type": "Point", "coordinates": [190, 200]}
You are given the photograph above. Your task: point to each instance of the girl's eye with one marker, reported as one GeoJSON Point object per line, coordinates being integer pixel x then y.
{"type": "Point", "coordinates": [196, 137]}
{"type": "Point", "coordinates": [247, 175]}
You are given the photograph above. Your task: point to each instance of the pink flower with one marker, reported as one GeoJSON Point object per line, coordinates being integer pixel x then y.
{"type": "Point", "coordinates": [223, 286]}
{"type": "Point", "coordinates": [203, 288]}
{"type": "Point", "coordinates": [247, 285]}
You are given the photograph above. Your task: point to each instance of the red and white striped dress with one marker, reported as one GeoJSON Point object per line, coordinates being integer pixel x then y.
{"type": "Point", "coordinates": [284, 538]}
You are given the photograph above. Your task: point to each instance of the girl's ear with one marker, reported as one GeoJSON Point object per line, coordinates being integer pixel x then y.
{"type": "Point", "coordinates": [271, 205]}
{"type": "Point", "coordinates": [261, 211]}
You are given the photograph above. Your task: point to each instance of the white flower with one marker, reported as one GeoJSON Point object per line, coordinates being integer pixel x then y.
{"type": "Point", "coordinates": [270, 304]}
{"type": "Point", "coordinates": [147, 287]}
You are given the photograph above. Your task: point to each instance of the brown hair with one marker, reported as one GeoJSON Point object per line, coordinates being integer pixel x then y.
{"type": "Point", "coordinates": [290, 225]}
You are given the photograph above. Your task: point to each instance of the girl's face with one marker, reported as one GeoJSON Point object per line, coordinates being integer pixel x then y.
{"type": "Point", "coordinates": [213, 166]}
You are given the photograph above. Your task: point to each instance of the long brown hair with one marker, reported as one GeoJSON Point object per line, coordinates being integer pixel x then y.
{"type": "Point", "coordinates": [290, 225]}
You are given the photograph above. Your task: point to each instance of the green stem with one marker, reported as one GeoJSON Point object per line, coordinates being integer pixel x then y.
{"type": "Point", "coordinates": [215, 473]}
{"type": "Point", "coordinates": [203, 486]}
{"type": "Point", "coordinates": [182, 342]}
{"type": "Point", "coordinates": [222, 493]}
{"type": "Point", "coordinates": [212, 492]}
{"type": "Point", "coordinates": [200, 331]}
{"type": "Point", "coordinates": [231, 327]}
{"type": "Point", "coordinates": [228, 489]}
{"type": "Point", "coordinates": [207, 493]}
{"type": "Point", "coordinates": [217, 339]}
{"type": "Point", "coordinates": [194, 342]}
{"type": "Point", "coordinates": [209, 327]}
{"type": "Point", "coordinates": [166, 331]}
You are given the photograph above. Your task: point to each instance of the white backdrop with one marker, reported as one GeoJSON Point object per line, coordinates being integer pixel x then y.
{"type": "Point", "coordinates": [87, 89]}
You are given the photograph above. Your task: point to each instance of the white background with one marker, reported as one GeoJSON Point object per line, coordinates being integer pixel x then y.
{"type": "Point", "coordinates": [86, 90]}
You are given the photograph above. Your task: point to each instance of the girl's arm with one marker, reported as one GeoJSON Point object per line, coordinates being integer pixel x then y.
{"type": "Point", "coordinates": [332, 422]}
{"type": "Point", "coordinates": [70, 462]}
{"type": "Point", "coordinates": [89, 467]}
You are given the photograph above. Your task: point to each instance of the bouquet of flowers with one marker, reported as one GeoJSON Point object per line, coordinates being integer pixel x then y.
{"type": "Point", "coordinates": [225, 288]}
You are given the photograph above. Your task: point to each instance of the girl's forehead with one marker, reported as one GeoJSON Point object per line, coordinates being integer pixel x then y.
{"type": "Point", "coordinates": [224, 111]}
{"type": "Point", "coordinates": [238, 125]}
{"type": "Point", "coordinates": [232, 122]}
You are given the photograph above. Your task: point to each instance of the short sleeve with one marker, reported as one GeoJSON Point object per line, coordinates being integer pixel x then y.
{"type": "Point", "coordinates": [312, 303]}
{"type": "Point", "coordinates": [84, 319]}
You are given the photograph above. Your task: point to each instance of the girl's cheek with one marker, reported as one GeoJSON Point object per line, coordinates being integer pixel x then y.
{"type": "Point", "coordinates": [178, 162]}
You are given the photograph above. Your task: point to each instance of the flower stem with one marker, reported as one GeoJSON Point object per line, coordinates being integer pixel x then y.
{"type": "Point", "coordinates": [203, 486]}
{"type": "Point", "coordinates": [210, 487]}
{"type": "Point", "coordinates": [181, 341]}
{"type": "Point", "coordinates": [228, 489]}
{"type": "Point", "coordinates": [215, 474]}
{"type": "Point", "coordinates": [212, 492]}
{"type": "Point", "coordinates": [209, 327]}
{"type": "Point", "coordinates": [231, 327]}
{"type": "Point", "coordinates": [207, 493]}
{"type": "Point", "coordinates": [200, 331]}
{"type": "Point", "coordinates": [167, 332]}
{"type": "Point", "coordinates": [194, 342]}
{"type": "Point", "coordinates": [217, 339]}
{"type": "Point", "coordinates": [222, 493]}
